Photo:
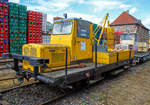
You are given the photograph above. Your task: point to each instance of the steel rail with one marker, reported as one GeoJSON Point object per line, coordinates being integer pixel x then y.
{"type": "Point", "coordinates": [16, 87]}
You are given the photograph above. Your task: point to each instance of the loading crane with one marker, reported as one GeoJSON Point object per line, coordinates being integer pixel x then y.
{"type": "Point", "coordinates": [98, 28]}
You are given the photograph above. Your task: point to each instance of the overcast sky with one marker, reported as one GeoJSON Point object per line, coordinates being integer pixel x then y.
{"type": "Point", "coordinates": [92, 10]}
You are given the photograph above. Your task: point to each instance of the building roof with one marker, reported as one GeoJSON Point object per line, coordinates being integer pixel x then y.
{"type": "Point", "coordinates": [125, 19]}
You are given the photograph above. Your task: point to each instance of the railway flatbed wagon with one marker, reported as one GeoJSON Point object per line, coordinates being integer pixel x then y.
{"type": "Point", "coordinates": [74, 75]}
{"type": "Point", "coordinates": [141, 57]}
{"type": "Point", "coordinates": [67, 76]}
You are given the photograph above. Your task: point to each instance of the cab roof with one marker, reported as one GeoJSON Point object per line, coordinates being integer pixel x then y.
{"type": "Point", "coordinates": [66, 19]}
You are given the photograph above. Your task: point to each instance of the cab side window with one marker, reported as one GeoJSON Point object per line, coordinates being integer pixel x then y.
{"type": "Point", "coordinates": [83, 29]}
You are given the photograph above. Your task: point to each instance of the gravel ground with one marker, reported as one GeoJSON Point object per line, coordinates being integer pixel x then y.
{"type": "Point", "coordinates": [33, 95]}
{"type": "Point", "coordinates": [130, 88]}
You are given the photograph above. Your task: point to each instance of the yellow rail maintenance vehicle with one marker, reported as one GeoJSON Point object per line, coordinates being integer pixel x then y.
{"type": "Point", "coordinates": [64, 35]}
{"type": "Point", "coordinates": [79, 50]}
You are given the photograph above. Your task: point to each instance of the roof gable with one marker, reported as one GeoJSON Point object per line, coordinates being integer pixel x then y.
{"type": "Point", "coordinates": [125, 18]}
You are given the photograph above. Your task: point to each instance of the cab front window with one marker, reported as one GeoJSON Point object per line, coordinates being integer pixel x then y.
{"type": "Point", "coordinates": [62, 28]}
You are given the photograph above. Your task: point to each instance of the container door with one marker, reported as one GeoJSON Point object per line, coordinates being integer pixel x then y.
{"type": "Point", "coordinates": [83, 42]}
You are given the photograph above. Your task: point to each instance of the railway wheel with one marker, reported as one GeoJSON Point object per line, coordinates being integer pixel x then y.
{"type": "Point", "coordinates": [81, 84]}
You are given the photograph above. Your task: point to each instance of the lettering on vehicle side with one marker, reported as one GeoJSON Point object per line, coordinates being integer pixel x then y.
{"type": "Point", "coordinates": [51, 50]}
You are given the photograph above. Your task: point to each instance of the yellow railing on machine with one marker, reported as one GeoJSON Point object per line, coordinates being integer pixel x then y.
{"type": "Point", "coordinates": [99, 27]}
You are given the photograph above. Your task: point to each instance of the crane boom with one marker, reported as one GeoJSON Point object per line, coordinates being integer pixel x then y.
{"type": "Point", "coordinates": [106, 17]}
{"type": "Point", "coordinates": [99, 27]}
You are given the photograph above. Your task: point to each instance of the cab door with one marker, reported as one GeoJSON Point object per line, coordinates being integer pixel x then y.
{"type": "Point", "coordinates": [83, 42]}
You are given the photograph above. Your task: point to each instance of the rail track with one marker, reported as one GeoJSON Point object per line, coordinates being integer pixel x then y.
{"type": "Point", "coordinates": [3, 62]}
{"type": "Point", "coordinates": [6, 63]}
{"type": "Point", "coordinates": [28, 88]}
{"type": "Point", "coordinates": [4, 102]}
{"type": "Point", "coordinates": [67, 93]}
{"type": "Point", "coordinates": [48, 97]}
{"type": "Point", "coordinates": [21, 86]}
{"type": "Point", "coordinates": [55, 98]}
{"type": "Point", "coordinates": [11, 78]}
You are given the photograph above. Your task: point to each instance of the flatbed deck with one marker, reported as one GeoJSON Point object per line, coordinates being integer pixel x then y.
{"type": "Point", "coordinates": [77, 74]}
{"type": "Point", "coordinates": [60, 73]}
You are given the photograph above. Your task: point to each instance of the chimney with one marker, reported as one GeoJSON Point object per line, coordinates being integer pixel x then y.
{"type": "Point", "coordinates": [65, 15]}
{"type": "Point", "coordinates": [127, 11]}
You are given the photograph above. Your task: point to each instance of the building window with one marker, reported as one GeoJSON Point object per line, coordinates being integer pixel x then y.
{"type": "Point", "coordinates": [127, 29]}
{"type": "Point", "coordinates": [126, 37]}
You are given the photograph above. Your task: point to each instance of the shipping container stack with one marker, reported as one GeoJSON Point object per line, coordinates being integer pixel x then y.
{"type": "Point", "coordinates": [49, 27]}
{"type": "Point", "coordinates": [17, 27]}
{"type": "Point", "coordinates": [4, 35]}
{"type": "Point", "coordinates": [44, 21]}
{"type": "Point", "coordinates": [22, 26]}
{"type": "Point", "coordinates": [46, 39]}
{"type": "Point", "coordinates": [34, 27]}
{"type": "Point", "coordinates": [45, 36]}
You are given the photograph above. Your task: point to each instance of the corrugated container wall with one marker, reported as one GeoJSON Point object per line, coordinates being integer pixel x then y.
{"type": "Point", "coordinates": [46, 39]}
{"type": "Point", "coordinates": [34, 27]}
{"type": "Point", "coordinates": [44, 22]}
{"type": "Point", "coordinates": [4, 36]}
{"type": "Point", "coordinates": [17, 27]}
{"type": "Point", "coordinates": [47, 36]}
{"type": "Point", "coordinates": [48, 27]}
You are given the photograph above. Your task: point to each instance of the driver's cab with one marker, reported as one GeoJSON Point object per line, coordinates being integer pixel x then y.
{"type": "Point", "coordinates": [76, 34]}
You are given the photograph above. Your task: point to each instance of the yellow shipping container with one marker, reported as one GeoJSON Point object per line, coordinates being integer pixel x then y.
{"type": "Point", "coordinates": [55, 54]}
{"type": "Point", "coordinates": [105, 58]}
{"type": "Point", "coordinates": [125, 54]}
{"type": "Point", "coordinates": [142, 44]}
{"type": "Point", "coordinates": [111, 57]}
{"type": "Point", "coordinates": [142, 49]}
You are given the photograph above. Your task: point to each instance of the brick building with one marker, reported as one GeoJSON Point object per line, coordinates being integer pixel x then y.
{"type": "Point", "coordinates": [133, 31]}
